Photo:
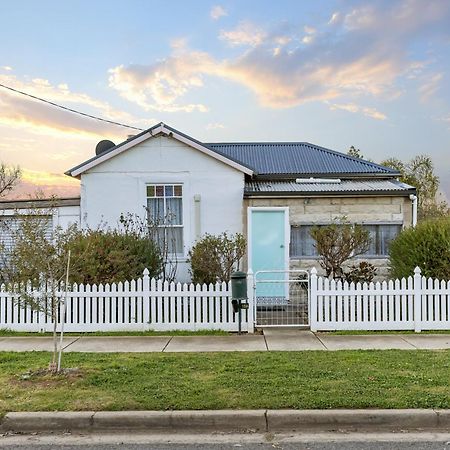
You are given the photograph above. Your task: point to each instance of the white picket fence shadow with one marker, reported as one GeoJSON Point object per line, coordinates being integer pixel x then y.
{"type": "Point", "coordinates": [415, 303]}
{"type": "Point", "coordinates": [137, 305]}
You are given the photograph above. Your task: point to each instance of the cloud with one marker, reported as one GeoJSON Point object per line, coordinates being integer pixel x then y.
{"type": "Point", "coordinates": [354, 108]}
{"type": "Point", "coordinates": [215, 126]}
{"type": "Point", "coordinates": [6, 68]}
{"type": "Point", "coordinates": [445, 119]}
{"type": "Point", "coordinates": [359, 53]}
{"type": "Point", "coordinates": [335, 18]}
{"type": "Point", "coordinates": [217, 12]}
{"type": "Point", "coordinates": [28, 114]}
{"type": "Point", "coordinates": [157, 87]}
{"type": "Point", "coordinates": [244, 34]}
{"type": "Point", "coordinates": [430, 86]}
{"type": "Point", "coordinates": [45, 183]}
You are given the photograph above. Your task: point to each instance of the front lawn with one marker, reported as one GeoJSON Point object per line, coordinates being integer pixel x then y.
{"type": "Point", "coordinates": [155, 381]}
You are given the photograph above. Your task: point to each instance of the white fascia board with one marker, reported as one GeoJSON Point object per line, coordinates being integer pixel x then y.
{"type": "Point", "coordinates": [144, 137]}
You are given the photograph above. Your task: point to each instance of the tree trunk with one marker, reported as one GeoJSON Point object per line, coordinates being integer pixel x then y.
{"type": "Point", "coordinates": [55, 335]}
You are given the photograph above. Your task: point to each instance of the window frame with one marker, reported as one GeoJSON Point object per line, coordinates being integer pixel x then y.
{"type": "Point", "coordinates": [165, 226]}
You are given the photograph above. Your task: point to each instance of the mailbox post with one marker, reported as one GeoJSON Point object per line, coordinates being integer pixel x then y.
{"type": "Point", "coordinates": [238, 294]}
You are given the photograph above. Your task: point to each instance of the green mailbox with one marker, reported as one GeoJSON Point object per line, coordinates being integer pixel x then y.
{"type": "Point", "coordinates": [238, 285]}
{"type": "Point", "coordinates": [238, 294]}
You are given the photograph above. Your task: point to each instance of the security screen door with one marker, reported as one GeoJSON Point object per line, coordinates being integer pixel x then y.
{"type": "Point", "coordinates": [281, 295]}
{"type": "Point", "coordinates": [269, 245]}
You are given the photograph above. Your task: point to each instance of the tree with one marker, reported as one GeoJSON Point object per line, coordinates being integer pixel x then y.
{"type": "Point", "coordinates": [9, 177]}
{"type": "Point", "coordinates": [419, 172]}
{"type": "Point", "coordinates": [213, 258]}
{"type": "Point", "coordinates": [427, 246]}
{"type": "Point", "coordinates": [338, 242]}
{"type": "Point", "coordinates": [355, 152]}
{"type": "Point", "coordinates": [36, 268]}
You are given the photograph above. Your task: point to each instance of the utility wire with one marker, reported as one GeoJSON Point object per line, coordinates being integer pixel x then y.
{"type": "Point", "coordinates": [69, 109]}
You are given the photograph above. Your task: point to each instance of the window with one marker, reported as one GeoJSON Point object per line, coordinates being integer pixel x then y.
{"type": "Point", "coordinates": [302, 244]}
{"type": "Point", "coordinates": [165, 213]}
{"type": "Point", "coordinates": [381, 236]}
{"type": "Point", "coordinates": [11, 229]}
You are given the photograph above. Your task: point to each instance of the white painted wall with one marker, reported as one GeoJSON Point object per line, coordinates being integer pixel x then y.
{"type": "Point", "coordinates": [119, 186]}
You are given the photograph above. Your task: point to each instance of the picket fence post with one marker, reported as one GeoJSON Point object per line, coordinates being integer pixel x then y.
{"type": "Point", "coordinates": [417, 283]}
{"type": "Point", "coordinates": [145, 299]}
{"type": "Point", "coordinates": [313, 300]}
{"type": "Point", "coordinates": [251, 303]}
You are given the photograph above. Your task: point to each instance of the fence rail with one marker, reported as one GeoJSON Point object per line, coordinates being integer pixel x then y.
{"type": "Point", "coordinates": [138, 305]}
{"type": "Point", "coordinates": [413, 303]}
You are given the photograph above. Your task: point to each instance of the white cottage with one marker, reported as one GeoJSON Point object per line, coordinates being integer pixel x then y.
{"type": "Point", "coordinates": [273, 192]}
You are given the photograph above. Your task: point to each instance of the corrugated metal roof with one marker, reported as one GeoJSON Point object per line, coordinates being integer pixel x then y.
{"type": "Point", "coordinates": [301, 158]}
{"type": "Point", "coordinates": [39, 203]}
{"type": "Point", "coordinates": [276, 158]}
{"type": "Point", "coordinates": [357, 186]}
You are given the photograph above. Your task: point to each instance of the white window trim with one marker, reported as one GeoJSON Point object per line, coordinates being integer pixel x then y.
{"type": "Point", "coordinates": [179, 178]}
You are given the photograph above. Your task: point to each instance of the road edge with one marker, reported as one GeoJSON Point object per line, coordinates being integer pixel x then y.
{"type": "Point", "coordinates": [257, 421]}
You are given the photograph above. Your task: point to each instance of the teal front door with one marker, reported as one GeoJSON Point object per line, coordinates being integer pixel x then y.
{"type": "Point", "coordinates": [268, 252]}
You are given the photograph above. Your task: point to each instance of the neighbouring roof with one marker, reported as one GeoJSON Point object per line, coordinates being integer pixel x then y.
{"type": "Point", "coordinates": [297, 158]}
{"type": "Point", "coordinates": [39, 203]}
{"type": "Point", "coordinates": [261, 159]}
{"type": "Point", "coordinates": [360, 187]}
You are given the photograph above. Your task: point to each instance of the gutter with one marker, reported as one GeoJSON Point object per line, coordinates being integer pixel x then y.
{"type": "Point", "coordinates": [343, 175]}
{"type": "Point", "coordinates": [284, 194]}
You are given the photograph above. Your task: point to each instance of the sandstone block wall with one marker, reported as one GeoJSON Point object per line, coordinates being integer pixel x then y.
{"type": "Point", "coordinates": [323, 210]}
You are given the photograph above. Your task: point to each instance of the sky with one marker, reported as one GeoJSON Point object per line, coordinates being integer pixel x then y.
{"type": "Point", "coordinates": [372, 74]}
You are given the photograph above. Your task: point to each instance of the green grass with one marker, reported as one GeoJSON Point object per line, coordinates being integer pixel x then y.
{"type": "Point", "coordinates": [5, 333]}
{"type": "Point", "coordinates": [158, 381]}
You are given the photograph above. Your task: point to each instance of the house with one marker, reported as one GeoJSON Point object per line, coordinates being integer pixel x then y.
{"type": "Point", "coordinates": [273, 192]}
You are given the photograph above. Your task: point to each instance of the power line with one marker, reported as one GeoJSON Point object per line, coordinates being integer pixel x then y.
{"type": "Point", "coordinates": [70, 109]}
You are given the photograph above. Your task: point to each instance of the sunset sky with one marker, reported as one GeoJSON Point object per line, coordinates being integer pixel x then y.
{"type": "Point", "coordinates": [373, 74]}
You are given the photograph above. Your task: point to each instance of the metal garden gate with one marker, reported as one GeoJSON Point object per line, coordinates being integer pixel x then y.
{"type": "Point", "coordinates": [281, 298]}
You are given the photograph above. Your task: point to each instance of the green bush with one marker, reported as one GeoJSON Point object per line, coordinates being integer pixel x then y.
{"type": "Point", "coordinates": [427, 246]}
{"type": "Point", "coordinates": [214, 258]}
{"type": "Point", "coordinates": [105, 256]}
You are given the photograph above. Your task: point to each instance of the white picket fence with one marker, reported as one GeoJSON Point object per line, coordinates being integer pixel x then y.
{"type": "Point", "coordinates": [416, 303]}
{"type": "Point", "coordinates": [138, 305]}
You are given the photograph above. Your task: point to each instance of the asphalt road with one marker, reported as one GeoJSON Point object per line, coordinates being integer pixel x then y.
{"type": "Point", "coordinates": [288, 446]}
{"type": "Point", "coordinates": [406, 441]}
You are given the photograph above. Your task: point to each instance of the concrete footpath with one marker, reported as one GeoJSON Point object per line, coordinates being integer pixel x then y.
{"type": "Point", "coordinates": [272, 340]}
{"type": "Point", "coordinates": [228, 421]}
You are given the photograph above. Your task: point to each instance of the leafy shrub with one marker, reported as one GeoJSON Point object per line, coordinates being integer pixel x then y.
{"type": "Point", "coordinates": [338, 242]}
{"type": "Point", "coordinates": [213, 258]}
{"type": "Point", "coordinates": [427, 246]}
{"type": "Point", "coordinates": [105, 256]}
{"type": "Point", "coordinates": [361, 273]}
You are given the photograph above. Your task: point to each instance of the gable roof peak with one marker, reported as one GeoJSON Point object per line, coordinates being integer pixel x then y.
{"type": "Point", "coordinates": [153, 131]}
